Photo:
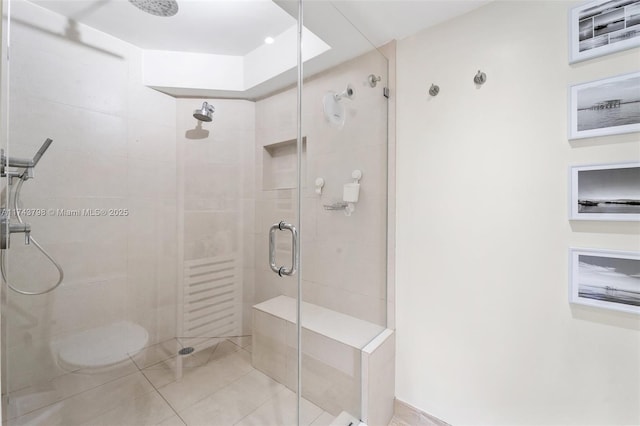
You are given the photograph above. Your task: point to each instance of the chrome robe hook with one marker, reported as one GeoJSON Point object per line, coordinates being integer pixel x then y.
{"type": "Point", "coordinates": [480, 78]}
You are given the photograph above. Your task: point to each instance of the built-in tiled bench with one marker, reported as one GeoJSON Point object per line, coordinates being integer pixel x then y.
{"type": "Point", "coordinates": [342, 357]}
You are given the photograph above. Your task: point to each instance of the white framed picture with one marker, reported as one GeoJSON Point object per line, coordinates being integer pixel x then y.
{"type": "Point", "coordinates": [600, 27]}
{"type": "Point", "coordinates": [605, 192]}
{"type": "Point", "coordinates": [605, 107]}
{"type": "Point", "coordinates": [605, 279]}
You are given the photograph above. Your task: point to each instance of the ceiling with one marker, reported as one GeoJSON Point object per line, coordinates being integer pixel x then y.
{"type": "Point", "coordinates": [237, 28]}
{"type": "Point", "coordinates": [223, 27]}
{"type": "Point", "coordinates": [383, 20]}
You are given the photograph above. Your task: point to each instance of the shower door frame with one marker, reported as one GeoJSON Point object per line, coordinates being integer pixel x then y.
{"type": "Point", "coordinates": [298, 246]}
{"type": "Point", "coordinates": [4, 138]}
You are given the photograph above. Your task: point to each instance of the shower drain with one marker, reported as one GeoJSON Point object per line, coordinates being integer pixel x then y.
{"type": "Point", "coordinates": [186, 351]}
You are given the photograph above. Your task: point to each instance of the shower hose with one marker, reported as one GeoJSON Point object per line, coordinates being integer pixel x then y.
{"type": "Point", "coordinates": [16, 205]}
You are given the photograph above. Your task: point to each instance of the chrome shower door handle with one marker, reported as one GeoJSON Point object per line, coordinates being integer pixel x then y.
{"type": "Point", "coordinates": [272, 248]}
{"type": "Point", "coordinates": [281, 270]}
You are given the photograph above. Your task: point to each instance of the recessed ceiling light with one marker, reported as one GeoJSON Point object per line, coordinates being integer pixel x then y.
{"type": "Point", "coordinates": [269, 40]}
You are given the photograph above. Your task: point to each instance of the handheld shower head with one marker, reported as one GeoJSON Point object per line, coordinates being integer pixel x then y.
{"type": "Point", "coordinates": [205, 113]}
{"type": "Point", "coordinates": [41, 151]}
{"type": "Point", "coordinates": [347, 93]}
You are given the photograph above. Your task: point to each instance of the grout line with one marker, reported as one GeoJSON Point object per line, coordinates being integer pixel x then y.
{"type": "Point", "coordinates": [140, 370]}
{"type": "Point", "coordinates": [176, 355]}
{"type": "Point", "coordinates": [208, 396]}
{"type": "Point", "coordinates": [238, 337]}
{"type": "Point", "coordinates": [160, 361]}
{"type": "Point", "coordinates": [213, 352]}
{"type": "Point", "coordinates": [79, 371]}
{"type": "Point", "coordinates": [264, 403]}
{"type": "Point", "coordinates": [74, 394]}
{"type": "Point", "coordinates": [213, 393]}
{"type": "Point", "coordinates": [163, 398]}
{"type": "Point", "coordinates": [318, 416]}
{"type": "Point", "coordinates": [150, 366]}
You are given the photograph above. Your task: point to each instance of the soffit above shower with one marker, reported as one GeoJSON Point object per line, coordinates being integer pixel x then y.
{"type": "Point", "coordinates": [215, 48]}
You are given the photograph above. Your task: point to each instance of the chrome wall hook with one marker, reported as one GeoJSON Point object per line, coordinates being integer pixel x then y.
{"type": "Point", "coordinates": [434, 90]}
{"type": "Point", "coordinates": [373, 80]}
{"type": "Point", "coordinates": [480, 78]}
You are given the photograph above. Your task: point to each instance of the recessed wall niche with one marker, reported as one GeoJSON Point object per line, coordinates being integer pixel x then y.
{"type": "Point", "coordinates": [279, 162]}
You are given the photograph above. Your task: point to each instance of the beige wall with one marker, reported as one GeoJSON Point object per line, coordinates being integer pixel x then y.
{"type": "Point", "coordinates": [114, 147]}
{"type": "Point", "coordinates": [485, 331]}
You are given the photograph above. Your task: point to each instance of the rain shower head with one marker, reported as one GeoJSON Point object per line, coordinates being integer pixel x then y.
{"type": "Point", "coordinates": [157, 7]}
{"type": "Point", "coordinates": [205, 113]}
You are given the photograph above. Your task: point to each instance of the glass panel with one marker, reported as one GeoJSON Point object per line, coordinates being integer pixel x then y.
{"type": "Point", "coordinates": [158, 215]}
{"type": "Point", "coordinates": [344, 212]}
{"type": "Point", "coordinates": [101, 204]}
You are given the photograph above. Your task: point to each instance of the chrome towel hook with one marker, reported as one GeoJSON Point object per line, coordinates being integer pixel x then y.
{"type": "Point", "coordinates": [480, 78]}
{"type": "Point", "coordinates": [434, 90]}
{"type": "Point", "coordinates": [373, 80]}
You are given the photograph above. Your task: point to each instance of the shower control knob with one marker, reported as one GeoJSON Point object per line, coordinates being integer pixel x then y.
{"type": "Point", "coordinates": [6, 229]}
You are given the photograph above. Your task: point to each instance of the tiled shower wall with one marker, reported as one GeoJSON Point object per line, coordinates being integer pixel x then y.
{"type": "Point", "coordinates": [114, 148]}
{"type": "Point", "coordinates": [228, 202]}
{"type": "Point", "coordinates": [343, 258]}
{"type": "Point", "coordinates": [216, 182]}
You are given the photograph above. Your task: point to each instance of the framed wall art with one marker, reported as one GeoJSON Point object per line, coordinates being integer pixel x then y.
{"type": "Point", "coordinates": [605, 279]}
{"type": "Point", "coordinates": [605, 107]}
{"type": "Point", "coordinates": [601, 27]}
{"type": "Point", "coordinates": [605, 192]}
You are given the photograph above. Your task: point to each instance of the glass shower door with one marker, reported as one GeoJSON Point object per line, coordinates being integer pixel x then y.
{"type": "Point", "coordinates": [101, 204]}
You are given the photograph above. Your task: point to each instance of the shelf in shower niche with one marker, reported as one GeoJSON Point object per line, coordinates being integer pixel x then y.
{"type": "Point", "coordinates": [279, 162]}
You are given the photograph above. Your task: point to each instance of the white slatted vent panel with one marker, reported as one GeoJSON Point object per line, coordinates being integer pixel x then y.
{"type": "Point", "coordinates": [212, 297]}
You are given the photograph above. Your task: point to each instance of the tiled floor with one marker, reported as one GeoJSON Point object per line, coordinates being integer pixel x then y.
{"type": "Point", "coordinates": [395, 421]}
{"type": "Point", "coordinates": [218, 386]}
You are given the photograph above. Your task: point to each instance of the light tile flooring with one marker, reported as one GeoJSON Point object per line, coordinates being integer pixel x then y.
{"type": "Point", "coordinates": [396, 421]}
{"type": "Point", "coordinates": [218, 387]}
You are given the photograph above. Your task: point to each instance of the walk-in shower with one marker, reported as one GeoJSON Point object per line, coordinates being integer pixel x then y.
{"type": "Point", "coordinates": [170, 311]}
